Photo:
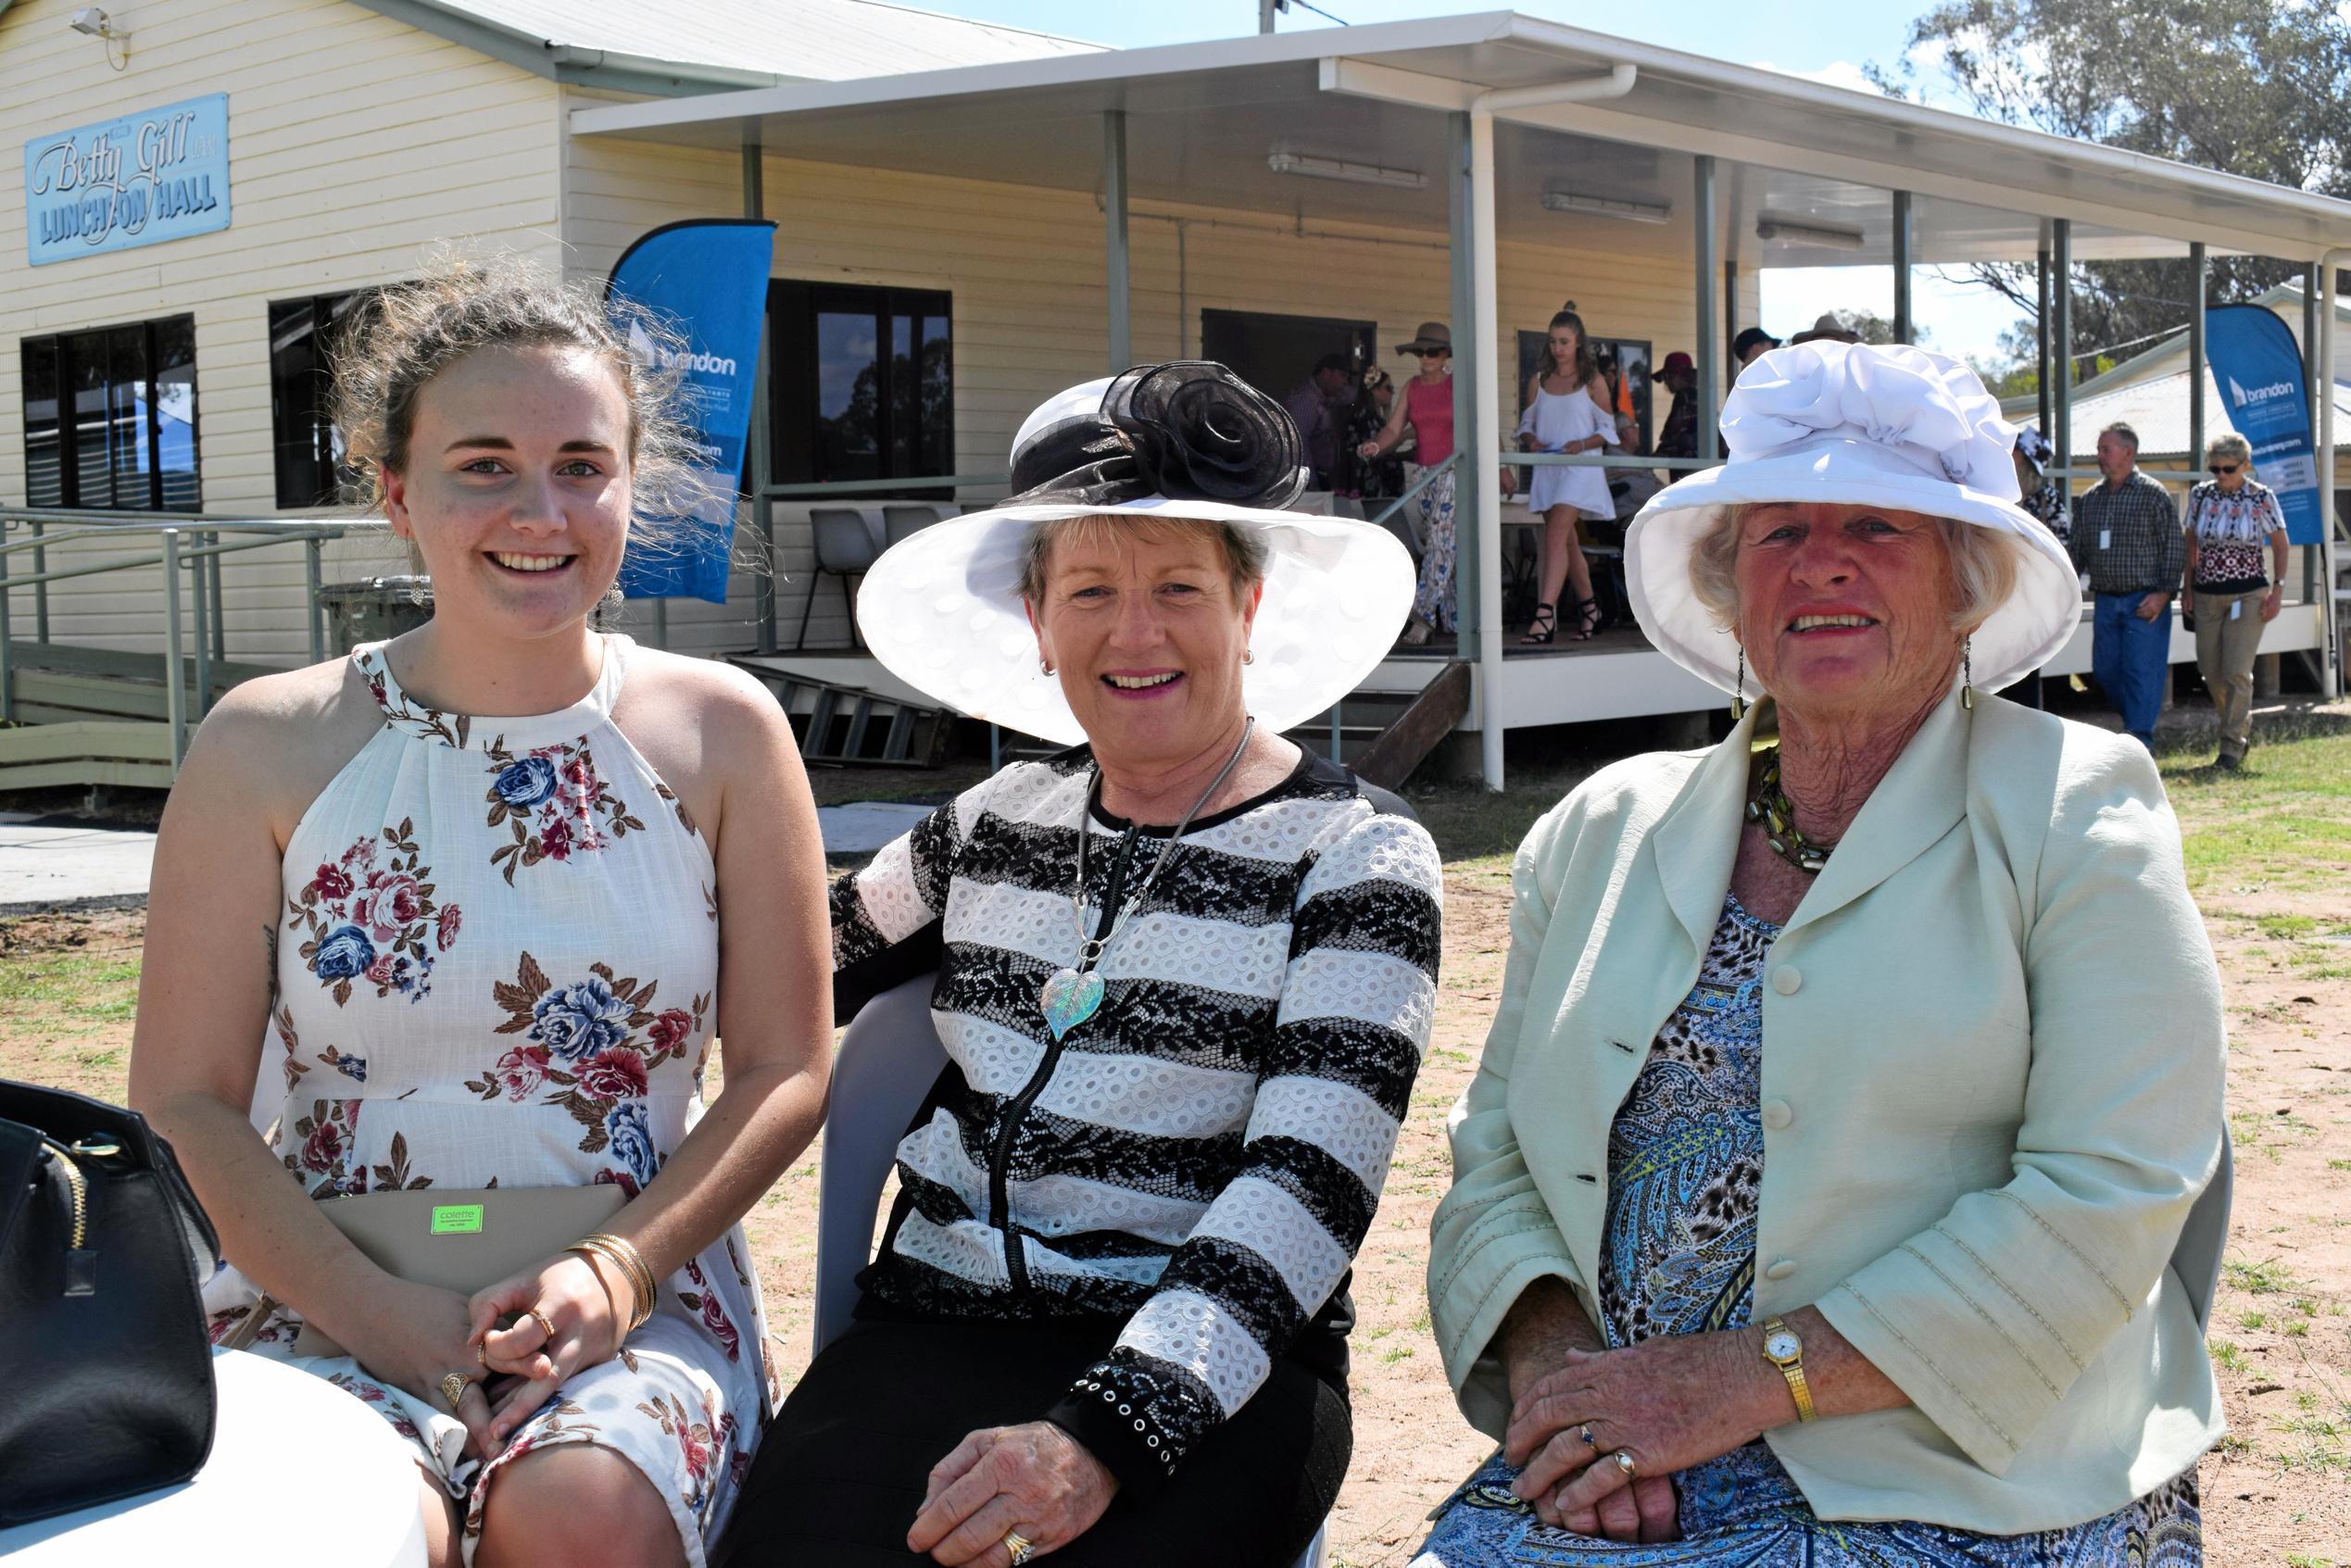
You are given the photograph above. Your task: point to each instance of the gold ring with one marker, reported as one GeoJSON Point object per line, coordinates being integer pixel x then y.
{"type": "Point", "coordinates": [1020, 1547]}
{"type": "Point", "coordinates": [1585, 1433]}
{"type": "Point", "coordinates": [547, 1325]}
{"type": "Point", "coordinates": [1625, 1462]}
{"type": "Point", "coordinates": [482, 1354]}
{"type": "Point", "coordinates": [453, 1387]}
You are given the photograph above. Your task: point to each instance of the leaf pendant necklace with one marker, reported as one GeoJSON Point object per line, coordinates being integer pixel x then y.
{"type": "Point", "coordinates": [1074, 992]}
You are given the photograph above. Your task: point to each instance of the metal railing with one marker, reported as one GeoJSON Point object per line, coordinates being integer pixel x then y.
{"type": "Point", "coordinates": [189, 542]}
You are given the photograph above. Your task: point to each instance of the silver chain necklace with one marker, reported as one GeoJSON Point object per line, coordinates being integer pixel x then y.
{"type": "Point", "coordinates": [1074, 992]}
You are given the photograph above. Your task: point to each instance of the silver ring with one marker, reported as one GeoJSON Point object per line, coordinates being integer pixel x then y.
{"type": "Point", "coordinates": [1625, 1462]}
{"type": "Point", "coordinates": [1020, 1547]}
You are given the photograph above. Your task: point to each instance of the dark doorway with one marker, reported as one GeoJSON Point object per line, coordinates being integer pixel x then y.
{"type": "Point", "coordinates": [1275, 353]}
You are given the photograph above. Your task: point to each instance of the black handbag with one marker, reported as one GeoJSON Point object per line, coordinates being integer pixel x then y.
{"type": "Point", "coordinates": [105, 1375]}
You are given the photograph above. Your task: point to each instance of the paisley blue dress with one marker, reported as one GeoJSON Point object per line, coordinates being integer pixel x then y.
{"type": "Point", "coordinates": [1685, 1163]}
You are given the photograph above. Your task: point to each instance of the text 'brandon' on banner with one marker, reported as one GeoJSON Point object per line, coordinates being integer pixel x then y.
{"type": "Point", "coordinates": [707, 278]}
{"type": "Point", "coordinates": [2257, 367]}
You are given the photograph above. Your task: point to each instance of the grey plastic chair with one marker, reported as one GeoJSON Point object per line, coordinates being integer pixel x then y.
{"type": "Point", "coordinates": [889, 1058]}
{"type": "Point", "coordinates": [902, 519]}
{"type": "Point", "coordinates": [846, 547]}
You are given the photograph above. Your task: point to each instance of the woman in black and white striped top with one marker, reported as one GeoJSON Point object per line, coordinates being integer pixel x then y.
{"type": "Point", "coordinates": [1186, 975]}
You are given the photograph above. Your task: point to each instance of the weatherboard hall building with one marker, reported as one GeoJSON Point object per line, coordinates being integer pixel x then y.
{"type": "Point", "coordinates": [970, 218]}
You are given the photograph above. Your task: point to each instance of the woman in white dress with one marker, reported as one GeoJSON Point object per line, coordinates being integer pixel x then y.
{"type": "Point", "coordinates": [484, 895]}
{"type": "Point", "coordinates": [1567, 411]}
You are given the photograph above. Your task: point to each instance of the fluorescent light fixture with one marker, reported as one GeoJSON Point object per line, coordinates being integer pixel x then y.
{"type": "Point", "coordinates": [1807, 234]}
{"type": "Point", "coordinates": [1608, 206]}
{"type": "Point", "coordinates": [1339, 168]}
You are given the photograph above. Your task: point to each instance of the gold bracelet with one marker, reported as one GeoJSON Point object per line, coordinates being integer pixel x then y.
{"type": "Point", "coordinates": [623, 1256]}
{"type": "Point", "coordinates": [589, 1255]}
{"type": "Point", "coordinates": [632, 1264]}
{"type": "Point", "coordinates": [640, 1296]}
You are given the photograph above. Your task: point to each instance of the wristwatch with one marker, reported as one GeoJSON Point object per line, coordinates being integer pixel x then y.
{"type": "Point", "coordinates": [1783, 1350]}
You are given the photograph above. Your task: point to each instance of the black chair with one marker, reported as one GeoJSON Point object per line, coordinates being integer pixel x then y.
{"type": "Point", "coordinates": [846, 547]}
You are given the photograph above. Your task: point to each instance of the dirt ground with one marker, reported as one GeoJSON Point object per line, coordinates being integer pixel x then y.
{"type": "Point", "coordinates": [2277, 1492]}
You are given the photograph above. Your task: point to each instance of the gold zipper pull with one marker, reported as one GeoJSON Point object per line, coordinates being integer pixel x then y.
{"type": "Point", "coordinates": [81, 1263]}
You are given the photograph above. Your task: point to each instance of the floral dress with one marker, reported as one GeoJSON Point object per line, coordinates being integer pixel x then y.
{"type": "Point", "coordinates": [1685, 1171]}
{"type": "Point", "coordinates": [498, 966]}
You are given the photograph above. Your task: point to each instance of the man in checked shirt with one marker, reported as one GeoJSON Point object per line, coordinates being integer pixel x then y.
{"type": "Point", "coordinates": [2127, 536]}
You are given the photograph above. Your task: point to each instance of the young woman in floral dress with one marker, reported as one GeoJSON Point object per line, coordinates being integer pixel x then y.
{"type": "Point", "coordinates": [475, 904]}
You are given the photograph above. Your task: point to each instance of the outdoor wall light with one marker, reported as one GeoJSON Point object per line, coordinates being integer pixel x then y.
{"type": "Point", "coordinates": [1608, 206]}
{"type": "Point", "coordinates": [1808, 234]}
{"type": "Point", "coordinates": [1339, 169]}
{"type": "Point", "coordinates": [92, 22]}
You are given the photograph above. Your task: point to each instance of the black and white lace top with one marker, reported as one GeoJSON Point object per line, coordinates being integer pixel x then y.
{"type": "Point", "coordinates": [1200, 1158]}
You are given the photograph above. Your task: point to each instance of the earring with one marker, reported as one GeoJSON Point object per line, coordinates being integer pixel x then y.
{"type": "Point", "coordinates": [1967, 672]}
{"type": "Point", "coordinates": [1739, 697]}
{"type": "Point", "coordinates": [1046, 665]}
{"type": "Point", "coordinates": [1248, 656]}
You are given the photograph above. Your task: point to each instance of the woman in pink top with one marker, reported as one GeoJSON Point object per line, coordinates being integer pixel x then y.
{"type": "Point", "coordinates": [1427, 405]}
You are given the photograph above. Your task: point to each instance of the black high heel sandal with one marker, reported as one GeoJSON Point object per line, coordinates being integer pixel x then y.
{"type": "Point", "coordinates": [1589, 617]}
{"type": "Point", "coordinates": [1543, 630]}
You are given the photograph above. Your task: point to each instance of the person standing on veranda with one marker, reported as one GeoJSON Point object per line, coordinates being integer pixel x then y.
{"type": "Point", "coordinates": [1428, 408]}
{"type": "Point", "coordinates": [2127, 537]}
{"type": "Point", "coordinates": [2230, 517]}
{"type": "Point", "coordinates": [1568, 409]}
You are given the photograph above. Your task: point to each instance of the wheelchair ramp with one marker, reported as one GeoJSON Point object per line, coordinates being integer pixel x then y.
{"type": "Point", "coordinates": [845, 724]}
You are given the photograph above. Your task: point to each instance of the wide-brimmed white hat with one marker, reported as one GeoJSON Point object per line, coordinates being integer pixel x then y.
{"type": "Point", "coordinates": [942, 607]}
{"type": "Point", "coordinates": [1855, 424]}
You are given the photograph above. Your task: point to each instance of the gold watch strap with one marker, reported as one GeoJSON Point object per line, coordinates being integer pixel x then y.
{"type": "Point", "coordinates": [1792, 1370]}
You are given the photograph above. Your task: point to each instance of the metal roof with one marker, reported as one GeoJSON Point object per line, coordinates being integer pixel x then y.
{"type": "Point", "coordinates": [698, 45]}
{"type": "Point", "coordinates": [2157, 409]}
{"type": "Point", "coordinates": [1203, 118]}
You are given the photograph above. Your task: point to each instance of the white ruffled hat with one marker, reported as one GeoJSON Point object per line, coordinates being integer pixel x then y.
{"type": "Point", "coordinates": [1855, 424]}
{"type": "Point", "coordinates": [942, 607]}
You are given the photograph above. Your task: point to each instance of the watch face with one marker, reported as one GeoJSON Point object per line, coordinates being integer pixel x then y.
{"type": "Point", "coordinates": [1782, 1347]}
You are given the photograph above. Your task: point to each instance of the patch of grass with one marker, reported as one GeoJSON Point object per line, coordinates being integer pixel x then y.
{"type": "Point", "coordinates": [2297, 1330]}
{"type": "Point", "coordinates": [2267, 1277]}
{"type": "Point", "coordinates": [2307, 1560]}
{"type": "Point", "coordinates": [65, 987]}
{"type": "Point", "coordinates": [2252, 1322]}
{"type": "Point", "coordinates": [2285, 928]}
{"type": "Point", "coordinates": [2339, 1164]}
{"type": "Point", "coordinates": [2226, 1355]}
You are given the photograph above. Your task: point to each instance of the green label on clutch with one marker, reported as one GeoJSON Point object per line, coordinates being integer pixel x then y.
{"type": "Point", "coordinates": [457, 1219]}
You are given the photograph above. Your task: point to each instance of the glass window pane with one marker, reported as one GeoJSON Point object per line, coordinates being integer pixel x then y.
{"type": "Point", "coordinates": [294, 364]}
{"type": "Point", "coordinates": [85, 386]}
{"type": "Point", "coordinates": [904, 395]}
{"type": "Point", "coordinates": [848, 396]}
{"type": "Point", "coordinates": [129, 440]}
{"type": "Point", "coordinates": [174, 394]}
{"type": "Point", "coordinates": [938, 398]}
{"type": "Point", "coordinates": [44, 457]}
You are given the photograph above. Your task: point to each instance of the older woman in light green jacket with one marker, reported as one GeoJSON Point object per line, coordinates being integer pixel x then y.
{"type": "Point", "coordinates": [1815, 1196]}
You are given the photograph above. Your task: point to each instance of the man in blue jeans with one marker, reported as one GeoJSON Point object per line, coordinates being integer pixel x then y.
{"type": "Point", "coordinates": [2127, 535]}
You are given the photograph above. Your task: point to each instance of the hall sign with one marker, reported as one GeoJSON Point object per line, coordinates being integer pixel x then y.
{"type": "Point", "coordinates": [159, 175]}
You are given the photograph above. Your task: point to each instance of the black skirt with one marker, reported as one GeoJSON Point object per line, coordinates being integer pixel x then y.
{"type": "Point", "coordinates": [840, 1474]}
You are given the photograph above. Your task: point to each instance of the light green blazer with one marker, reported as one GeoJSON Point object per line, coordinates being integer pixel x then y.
{"type": "Point", "coordinates": [1991, 1090]}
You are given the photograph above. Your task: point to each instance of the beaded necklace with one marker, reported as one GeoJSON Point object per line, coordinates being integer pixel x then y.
{"type": "Point", "coordinates": [1769, 805]}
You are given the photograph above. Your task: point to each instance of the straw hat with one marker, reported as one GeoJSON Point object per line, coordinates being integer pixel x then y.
{"type": "Point", "coordinates": [1432, 335]}
{"type": "Point", "coordinates": [1856, 425]}
{"type": "Point", "coordinates": [942, 609]}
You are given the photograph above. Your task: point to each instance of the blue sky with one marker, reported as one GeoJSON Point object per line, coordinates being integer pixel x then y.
{"type": "Point", "coordinates": [1830, 39]}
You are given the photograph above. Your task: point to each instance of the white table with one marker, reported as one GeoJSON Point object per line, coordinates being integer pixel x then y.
{"type": "Point", "coordinates": [296, 1464]}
